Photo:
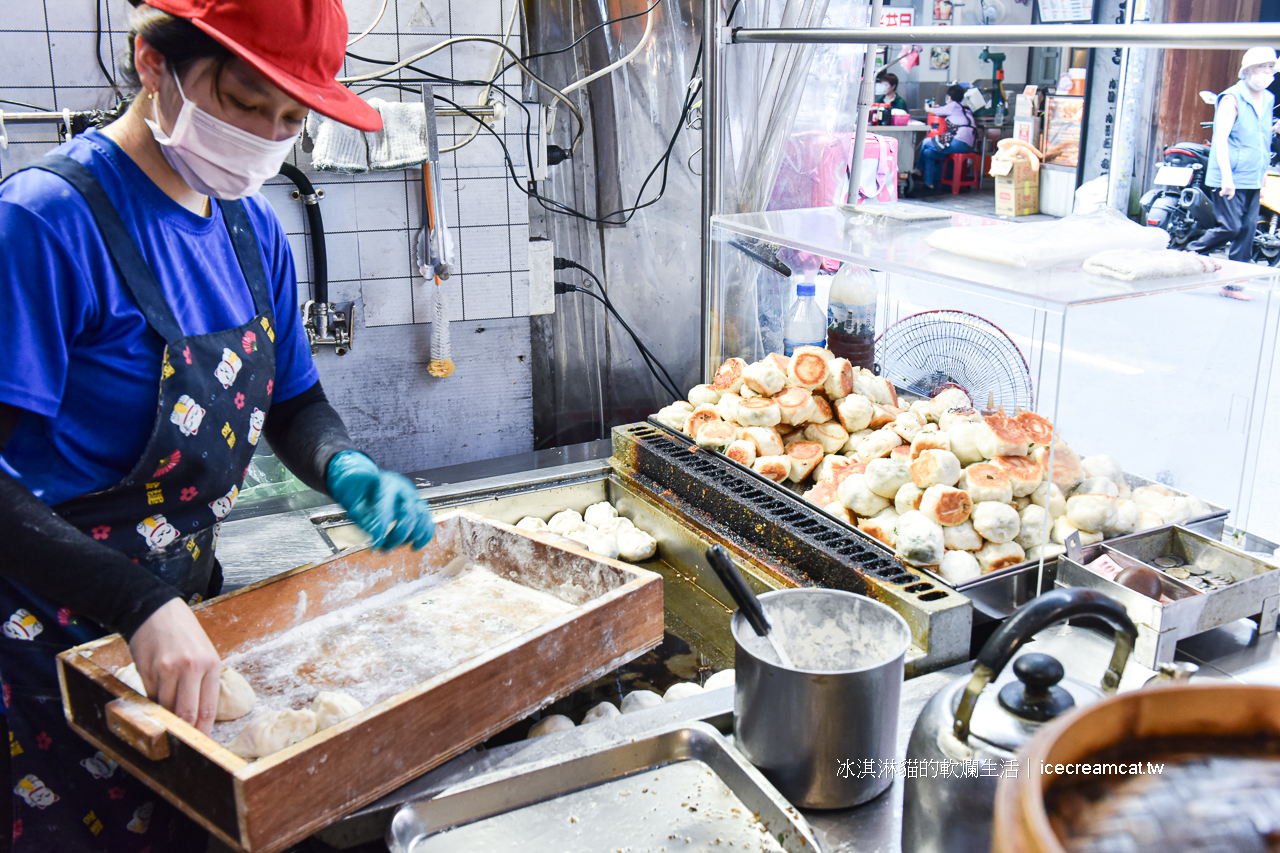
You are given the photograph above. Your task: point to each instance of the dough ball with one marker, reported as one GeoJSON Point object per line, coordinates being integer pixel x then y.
{"type": "Point", "coordinates": [530, 522]}
{"type": "Point", "coordinates": [959, 566]}
{"type": "Point", "coordinates": [602, 713]}
{"type": "Point", "coordinates": [1024, 475]}
{"type": "Point", "coordinates": [1092, 513]}
{"type": "Point", "coordinates": [1048, 552]}
{"type": "Point", "coordinates": [1062, 528]}
{"type": "Point", "coordinates": [886, 476]}
{"type": "Point", "coordinates": [1098, 486]}
{"type": "Point", "coordinates": [807, 370]}
{"type": "Point", "coordinates": [996, 522]}
{"type": "Point", "coordinates": [830, 435]}
{"type": "Point", "coordinates": [830, 464]}
{"type": "Point", "coordinates": [998, 435]}
{"type": "Point", "coordinates": [728, 378]}
{"type": "Point", "coordinates": [683, 690]}
{"type": "Point", "coordinates": [741, 451]}
{"type": "Point", "coordinates": [565, 522]}
{"type": "Point", "coordinates": [1021, 503]}
{"type": "Point", "coordinates": [907, 425]}
{"type": "Point", "coordinates": [823, 492]}
{"type": "Point", "coordinates": [717, 435]}
{"type": "Point", "coordinates": [766, 440]}
{"type": "Point", "coordinates": [728, 409]}
{"type": "Point", "coordinates": [946, 505]}
{"type": "Point", "coordinates": [930, 439]}
{"type": "Point", "coordinates": [919, 540]}
{"type": "Point", "coordinates": [841, 512]}
{"type": "Point", "coordinates": [635, 545]}
{"type": "Point", "coordinates": [957, 415]}
{"type": "Point", "coordinates": [877, 389]}
{"type": "Point", "coordinates": [673, 417]}
{"type": "Point", "coordinates": [805, 456]}
{"type": "Point", "coordinates": [700, 395]}
{"type": "Point", "coordinates": [128, 675]}
{"type": "Point", "coordinates": [1148, 521]}
{"type": "Point", "coordinates": [935, 467]}
{"type": "Point", "coordinates": [986, 483]}
{"type": "Point", "coordinates": [993, 557]}
{"type": "Point", "coordinates": [702, 416]}
{"type": "Point", "coordinates": [723, 678]}
{"type": "Point", "coordinates": [1049, 496]}
{"type": "Point", "coordinates": [1103, 466]}
{"type": "Point", "coordinates": [1126, 520]}
{"type": "Point", "coordinates": [854, 412]}
{"type": "Point", "coordinates": [1184, 508]}
{"type": "Point", "coordinates": [615, 526]}
{"type": "Point", "coordinates": [850, 448]}
{"type": "Point", "coordinates": [332, 708]}
{"type": "Point", "coordinates": [882, 526]}
{"type": "Point", "coordinates": [1034, 529]}
{"type": "Point", "coordinates": [776, 468]}
{"type": "Point", "coordinates": [599, 513]}
{"type": "Point", "coordinates": [907, 498]}
{"type": "Point", "coordinates": [839, 382]}
{"type": "Point", "coordinates": [951, 398]}
{"type": "Point", "coordinates": [271, 731]}
{"type": "Point", "coordinates": [964, 442]}
{"type": "Point", "coordinates": [878, 445]}
{"type": "Point", "coordinates": [596, 542]}
{"type": "Point", "coordinates": [550, 725]}
{"type": "Point", "coordinates": [235, 696]}
{"type": "Point", "coordinates": [961, 537]}
{"type": "Point", "coordinates": [764, 378]}
{"type": "Point", "coordinates": [1067, 473]}
{"type": "Point", "coordinates": [857, 495]}
{"type": "Point", "coordinates": [797, 406]}
{"type": "Point", "coordinates": [638, 700]}
{"type": "Point", "coordinates": [759, 412]}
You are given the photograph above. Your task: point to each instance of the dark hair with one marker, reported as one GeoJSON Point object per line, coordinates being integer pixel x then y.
{"type": "Point", "coordinates": [888, 77]}
{"type": "Point", "coordinates": [956, 93]}
{"type": "Point", "coordinates": [179, 41]}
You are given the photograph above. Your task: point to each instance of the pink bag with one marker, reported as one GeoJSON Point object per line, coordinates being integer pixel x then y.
{"type": "Point", "coordinates": [879, 178]}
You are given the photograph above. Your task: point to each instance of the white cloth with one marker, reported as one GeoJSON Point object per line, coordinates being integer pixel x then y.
{"type": "Point", "coordinates": [402, 142]}
{"type": "Point", "coordinates": [1136, 264]}
{"type": "Point", "coordinates": [336, 147]}
{"type": "Point", "coordinates": [1042, 244]}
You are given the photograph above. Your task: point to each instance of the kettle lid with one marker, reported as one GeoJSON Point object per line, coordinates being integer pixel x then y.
{"type": "Point", "coordinates": [1008, 718]}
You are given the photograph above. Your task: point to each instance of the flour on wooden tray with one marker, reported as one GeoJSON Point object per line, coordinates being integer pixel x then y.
{"type": "Point", "coordinates": [381, 646]}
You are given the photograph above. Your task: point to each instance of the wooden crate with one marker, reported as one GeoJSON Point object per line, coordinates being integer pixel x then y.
{"type": "Point", "coordinates": [268, 804]}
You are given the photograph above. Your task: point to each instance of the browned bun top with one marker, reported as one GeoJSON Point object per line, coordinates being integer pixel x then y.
{"type": "Point", "coordinates": [1038, 429]}
{"type": "Point", "coordinates": [809, 367]}
{"type": "Point", "coordinates": [792, 397]}
{"type": "Point", "coordinates": [987, 475]}
{"type": "Point", "coordinates": [729, 374]}
{"type": "Point", "coordinates": [754, 403]}
{"type": "Point", "coordinates": [805, 450]}
{"type": "Point", "coordinates": [1007, 429]}
{"type": "Point", "coordinates": [1018, 467]}
{"type": "Point", "coordinates": [954, 506]}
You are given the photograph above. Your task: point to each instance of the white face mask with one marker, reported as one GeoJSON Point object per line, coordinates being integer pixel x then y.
{"type": "Point", "coordinates": [881, 88]}
{"type": "Point", "coordinates": [214, 157]}
{"type": "Point", "coordinates": [1259, 80]}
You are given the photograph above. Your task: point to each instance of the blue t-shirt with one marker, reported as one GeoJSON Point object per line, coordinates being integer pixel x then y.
{"type": "Point", "coordinates": [79, 355]}
{"type": "Point", "coordinates": [1248, 144]}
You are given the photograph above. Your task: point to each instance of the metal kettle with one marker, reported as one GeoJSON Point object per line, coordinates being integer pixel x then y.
{"type": "Point", "coordinates": [975, 734]}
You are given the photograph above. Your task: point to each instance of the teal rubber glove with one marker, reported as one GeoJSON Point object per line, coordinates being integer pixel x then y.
{"type": "Point", "coordinates": [383, 503]}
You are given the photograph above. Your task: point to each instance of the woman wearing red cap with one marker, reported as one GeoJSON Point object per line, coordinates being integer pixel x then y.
{"type": "Point", "coordinates": [136, 258]}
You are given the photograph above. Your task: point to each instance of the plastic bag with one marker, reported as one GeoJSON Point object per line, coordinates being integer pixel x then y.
{"type": "Point", "coordinates": [1045, 244]}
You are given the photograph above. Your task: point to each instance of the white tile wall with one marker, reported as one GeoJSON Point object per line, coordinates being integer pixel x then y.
{"type": "Point", "coordinates": [47, 59]}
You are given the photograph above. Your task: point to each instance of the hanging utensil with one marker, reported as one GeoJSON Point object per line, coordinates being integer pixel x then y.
{"type": "Point", "coordinates": [746, 600]}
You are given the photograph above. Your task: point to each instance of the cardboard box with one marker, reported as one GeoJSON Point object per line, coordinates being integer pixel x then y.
{"type": "Point", "coordinates": [1028, 130]}
{"type": "Point", "coordinates": [1025, 103]}
{"type": "Point", "coordinates": [1017, 188]}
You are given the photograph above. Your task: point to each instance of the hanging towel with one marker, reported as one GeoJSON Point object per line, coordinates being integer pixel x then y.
{"type": "Point", "coordinates": [336, 147]}
{"type": "Point", "coordinates": [402, 142]}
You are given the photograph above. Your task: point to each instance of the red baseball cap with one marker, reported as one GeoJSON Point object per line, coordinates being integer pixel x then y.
{"type": "Point", "coordinates": [298, 45]}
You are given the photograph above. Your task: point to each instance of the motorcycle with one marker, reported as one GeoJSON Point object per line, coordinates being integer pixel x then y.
{"type": "Point", "coordinates": [1180, 204]}
{"type": "Point", "coordinates": [1266, 239]}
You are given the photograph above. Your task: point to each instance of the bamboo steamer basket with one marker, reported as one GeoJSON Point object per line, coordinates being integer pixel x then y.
{"type": "Point", "coordinates": [1193, 710]}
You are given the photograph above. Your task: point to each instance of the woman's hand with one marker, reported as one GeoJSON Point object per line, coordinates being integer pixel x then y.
{"type": "Point", "coordinates": [178, 664]}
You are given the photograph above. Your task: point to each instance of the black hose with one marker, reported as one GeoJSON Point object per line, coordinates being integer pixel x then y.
{"type": "Point", "coordinates": [319, 255]}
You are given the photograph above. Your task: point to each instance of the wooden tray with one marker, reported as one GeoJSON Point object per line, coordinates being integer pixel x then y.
{"type": "Point", "coordinates": [268, 804]}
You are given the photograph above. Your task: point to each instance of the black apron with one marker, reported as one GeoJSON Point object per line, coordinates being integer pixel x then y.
{"type": "Point", "coordinates": [215, 390]}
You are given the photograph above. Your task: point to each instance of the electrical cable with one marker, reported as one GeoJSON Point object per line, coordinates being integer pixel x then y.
{"type": "Point", "coordinates": [369, 29]}
{"type": "Point", "coordinates": [565, 287]}
{"type": "Point", "coordinates": [25, 104]}
{"type": "Point", "coordinates": [98, 50]}
{"type": "Point", "coordinates": [612, 67]}
{"type": "Point", "coordinates": [582, 37]}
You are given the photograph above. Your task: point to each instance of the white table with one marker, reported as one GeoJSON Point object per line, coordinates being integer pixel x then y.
{"type": "Point", "coordinates": [907, 140]}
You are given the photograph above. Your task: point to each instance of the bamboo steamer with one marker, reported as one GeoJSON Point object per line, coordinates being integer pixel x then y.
{"type": "Point", "coordinates": [1021, 822]}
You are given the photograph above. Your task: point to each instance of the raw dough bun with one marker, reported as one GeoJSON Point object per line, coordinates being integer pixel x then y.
{"type": "Point", "coordinates": [683, 690]}
{"type": "Point", "coordinates": [855, 494]}
{"type": "Point", "coordinates": [1021, 503]}
{"type": "Point", "coordinates": [959, 566]}
{"type": "Point", "coordinates": [615, 526]}
{"type": "Point", "coordinates": [1049, 496]}
{"type": "Point", "coordinates": [807, 370]}
{"type": "Point", "coordinates": [908, 425]}
{"type": "Point", "coordinates": [741, 451]}
{"type": "Point", "coordinates": [934, 467]}
{"type": "Point", "coordinates": [919, 540]}
{"type": "Point", "coordinates": [565, 522]}
{"type": "Point", "coordinates": [993, 557]}
{"type": "Point", "coordinates": [759, 412]}
{"type": "Point", "coordinates": [1062, 528]}
{"type": "Point", "coordinates": [776, 468]}
{"type": "Point", "coordinates": [635, 545]}
{"type": "Point", "coordinates": [550, 725]}
{"type": "Point", "coordinates": [728, 378]}
{"type": "Point", "coordinates": [332, 708]}
{"type": "Point", "coordinates": [841, 512]}
{"type": "Point", "coordinates": [805, 456]}
{"type": "Point", "coordinates": [530, 522]}
{"type": "Point", "coordinates": [602, 713]}
{"type": "Point", "coordinates": [638, 700]}
{"type": "Point", "coordinates": [597, 514]}
{"type": "Point", "coordinates": [1184, 509]}
{"type": "Point", "coordinates": [964, 442]}
{"type": "Point", "coordinates": [672, 418]}
{"type": "Point", "coordinates": [1126, 521]}
{"type": "Point", "coordinates": [850, 448]}
{"type": "Point", "coordinates": [1034, 529]}
{"type": "Point", "coordinates": [1001, 436]}
{"type": "Point", "coordinates": [986, 483]}
{"type": "Point", "coordinates": [1148, 521]}
{"type": "Point", "coordinates": [951, 398]}
{"type": "Point", "coordinates": [723, 678]}
{"type": "Point", "coordinates": [1091, 513]}
{"type": "Point", "coordinates": [959, 415]}
{"type": "Point", "coordinates": [235, 696]}
{"type": "Point", "coordinates": [830, 435]}
{"type": "Point", "coordinates": [128, 675]}
{"type": "Point", "coordinates": [716, 435]}
{"type": "Point", "coordinates": [597, 542]}
{"type": "Point", "coordinates": [1103, 466]}
{"type": "Point", "coordinates": [766, 440]}
{"type": "Point", "coordinates": [882, 527]}
{"type": "Point", "coordinates": [855, 412]}
{"type": "Point", "coordinates": [764, 378]}
{"type": "Point", "coordinates": [878, 444]}
{"type": "Point", "coordinates": [1047, 551]}
{"type": "Point", "coordinates": [272, 731]}
{"type": "Point", "coordinates": [930, 439]}
{"type": "Point", "coordinates": [886, 476]}
{"type": "Point", "coordinates": [996, 522]}
{"type": "Point", "coordinates": [839, 382]}
{"type": "Point", "coordinates": [961, 537]}
{"type": "Point", "coordinates": [1098, 486]}
{"type": "Point", "coordinates": [746, 392]}
{"type": "Point", "coordinates": [907, 498]}
{"type": "Point", "coordinates": [1024, 475]}
{"type": "Point", "coordinates": [946, 505]}
{"type": "Point", "coordinates": [703, 395]}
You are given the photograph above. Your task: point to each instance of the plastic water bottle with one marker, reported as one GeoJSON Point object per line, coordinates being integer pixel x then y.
{"type": "Point", "coordinates": [851, 316]}
{"type": "Point", "coordinates": [806, 327]}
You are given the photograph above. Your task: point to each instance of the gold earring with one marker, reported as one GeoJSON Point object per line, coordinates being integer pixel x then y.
{"type": "Point", "coordinates": [151, 96]}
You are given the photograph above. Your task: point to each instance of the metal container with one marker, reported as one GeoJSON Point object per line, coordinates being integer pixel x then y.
{"type": "Point", "coordinates": [814, 732]}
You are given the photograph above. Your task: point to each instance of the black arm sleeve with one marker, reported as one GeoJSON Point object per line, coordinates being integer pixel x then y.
{"type": "Point", "coordinates": [306, 432]}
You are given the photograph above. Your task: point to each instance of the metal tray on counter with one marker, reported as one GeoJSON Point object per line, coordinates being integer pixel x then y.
{"type": "Point", "coordinates": [1194, 605]}
{"type": "Point", "coordinates": [684, 788]}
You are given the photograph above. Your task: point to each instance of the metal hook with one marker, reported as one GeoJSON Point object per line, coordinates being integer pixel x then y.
{"type": "Point", "coordinates": [4, 134]}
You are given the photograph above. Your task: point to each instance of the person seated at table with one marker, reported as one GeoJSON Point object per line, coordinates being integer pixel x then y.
{"type": "Point", "coordinates": [956, 139]}
{"type": "Point", "coordinates": [887, 91]}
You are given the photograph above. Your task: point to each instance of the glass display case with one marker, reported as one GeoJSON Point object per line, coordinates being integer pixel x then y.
{"type": "Point", "coordinates": [1165, 375]}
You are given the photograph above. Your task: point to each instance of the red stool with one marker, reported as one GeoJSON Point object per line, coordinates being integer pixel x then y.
{"type": "Point", "coordinates": [960, 171]}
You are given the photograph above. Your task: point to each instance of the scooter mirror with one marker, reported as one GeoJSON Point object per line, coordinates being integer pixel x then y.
{"type": "Point", "coordinates": [1208, 97]}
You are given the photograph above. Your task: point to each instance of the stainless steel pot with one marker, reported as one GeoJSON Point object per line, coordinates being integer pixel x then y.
{"type": "Point", "coordinates": [976, 734]}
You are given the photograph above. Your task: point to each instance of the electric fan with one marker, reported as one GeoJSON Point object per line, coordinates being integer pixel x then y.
{"type": "Point", "coordinates": [934, 350]}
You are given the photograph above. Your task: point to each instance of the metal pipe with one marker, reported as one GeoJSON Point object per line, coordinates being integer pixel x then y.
{"type": "Point", "coordinates": [1190, 36]}
{"type": "Point", "coordinates": [710, 175]}
{"type": "Point", "coordinates": [37, 118]}
{"type": "Point", "coordinates": [866, 92]}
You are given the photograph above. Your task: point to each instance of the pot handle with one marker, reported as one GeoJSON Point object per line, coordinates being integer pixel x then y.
{"type": "Point", "coordinates": [1035, 616]}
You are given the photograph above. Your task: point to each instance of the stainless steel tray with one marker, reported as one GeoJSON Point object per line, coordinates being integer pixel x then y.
{"type": "Point", "coordinates": [576, 804]}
